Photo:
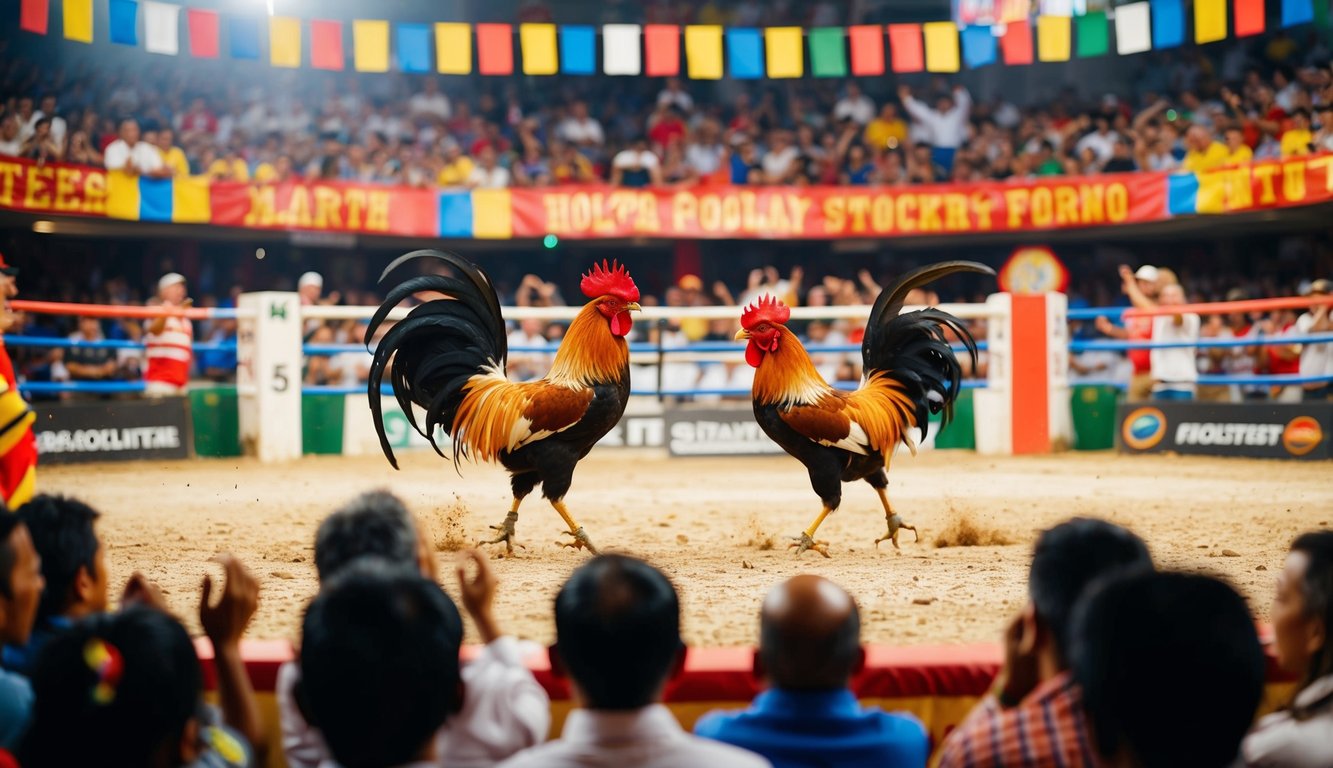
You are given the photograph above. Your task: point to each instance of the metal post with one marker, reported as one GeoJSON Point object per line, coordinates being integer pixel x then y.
{"type": "Point", "coordinates": [661, 357]}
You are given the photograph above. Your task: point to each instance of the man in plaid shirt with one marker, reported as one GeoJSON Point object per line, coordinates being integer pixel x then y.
{"type": "Point", "coordinates": [1033, 715]}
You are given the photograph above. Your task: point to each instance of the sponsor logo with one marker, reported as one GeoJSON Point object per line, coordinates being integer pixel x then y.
{"type": "Point", "coordinates": [704, 437]}
{"type": "Point", "coordinates": [108, 440]}
{"type": "Point", "coordinates": [1224, 433]}
{"type": "Point", "coordinates": [1302, 435]}
{"type": "Point", "coordinates": [1143, 429]}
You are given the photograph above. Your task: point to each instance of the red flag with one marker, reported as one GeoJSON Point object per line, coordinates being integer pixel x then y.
{"type": "Point", "coordinates": [906, 49]}
{"type": "Point", "coordinates": [1249, 17]}
{"type": "Point", "coordinates": [661, 44]}
{"type": "Point", "coordinates": [1017, 42]}
{"type": "Point", "coordinates": [867, 49]}
{"type": "Point", "coordinates": [326, 44]}
{"type": "Point", "coordinates": [203, 26]}
{"type": "Point", "coordinates": [34, 16]}
{"type": "Point", "coordinates": [495, 49]}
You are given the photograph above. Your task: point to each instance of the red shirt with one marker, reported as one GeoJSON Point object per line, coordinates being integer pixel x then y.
{"type": "Point", "coordinates": [665, 131]}
{"type": "Point", "coordinates": [169, 353]}
{"type": "Point", "coordinates": [1140, 329]}
{"type": "Point", "coordinates": [1276, 365]}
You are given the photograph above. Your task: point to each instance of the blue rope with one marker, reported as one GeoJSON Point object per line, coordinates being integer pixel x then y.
{"type": "Point", "coordinates": [64, 343]}
{"type": "Point", "coordinates": [698, 346]}
{"type": "Point", "coordinates": [90, 387]}
{"type": "Point", "coordinates": [1261, 341]}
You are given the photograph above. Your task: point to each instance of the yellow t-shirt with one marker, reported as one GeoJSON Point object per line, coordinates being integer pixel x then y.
{"type": "Point", "coordinates": [1215, 156]}
{"type": "Point", "coordinates": [455, 174]}
{"type": "Point", "coordinates": [236, 170]}
{"type": "Point", "coordinates": [1240, 155]}
{"type": "Point", "coordinates": [174, 159]}
{"type": "Point", "coordinates": [878, 133]}
{"type": "Point", "coordinates": [1296, 142]}
{"type": "Point", "coordinates": [265, 173]}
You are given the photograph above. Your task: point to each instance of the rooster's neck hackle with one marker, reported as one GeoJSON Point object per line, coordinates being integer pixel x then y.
{"type": "Point", "coordinates": [589, 353]}
{"type": "Point", "coordinates": [786, 376]}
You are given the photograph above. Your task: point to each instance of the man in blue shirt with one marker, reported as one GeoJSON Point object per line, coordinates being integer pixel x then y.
{"type": "Point", "coordinates": [809, 649]}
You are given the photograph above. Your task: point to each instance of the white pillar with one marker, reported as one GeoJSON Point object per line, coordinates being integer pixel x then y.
{"type": "Point", "coordinates": [268, 375]}
{"type": "Point", "coordinates": [1025, 406]}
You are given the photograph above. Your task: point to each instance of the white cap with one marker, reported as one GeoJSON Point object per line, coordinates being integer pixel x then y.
{"type": "Point", "coordinates": [170, 279]}
{"type": "Point", "coordinates": [310, 278]}
{"type": "Point", "coordinates": [1147, 273]}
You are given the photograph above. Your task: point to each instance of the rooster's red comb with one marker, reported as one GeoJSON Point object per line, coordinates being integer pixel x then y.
{"type": "Point", "coordinates": [766, 310]}
{"type": "Point", "coordinates": [609, 280]}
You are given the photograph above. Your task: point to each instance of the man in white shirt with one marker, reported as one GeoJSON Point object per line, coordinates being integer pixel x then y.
{"type": "Point", "coordinates": [58, 126]}
{"type": "Point", "coordinates": [780, 160]}
{"type": "Point", "coordinates": [636, 166]}
{"type": "Point", "coordinates": [488, 174]}
{"type": "Point", "coordinates": [10, 143]}
{"type": "Point", "coordinates": [130, 155]}
{"type": "Point", "coordinates": [674, 95]}
{"type": "Point", "coordinates": [946, 124]}
{"type": "Point", "coordinates": [503, 708]}
{"type": "Point", "coordinates": [617, 625]}
{"type": "Point", "coordinates": [854, 106]}
{"type": "Point", "coordinates": [430, 102]}
{"type": "Point", "coordinates": [1101, 140]}
{"type": "Point", "coordinates": [1317, 359]}
{"type": "Point", "coordinates": [581, 130]}
{"type": "Point", "coordinates": [1175, 372]}
{"type": "Point", "coordinates": [526, 366]}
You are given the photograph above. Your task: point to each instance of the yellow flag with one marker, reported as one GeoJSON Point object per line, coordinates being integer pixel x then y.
{"type": "Point", "coordinates": [453, 48]}
{"type": "Point", "coordinates": [370, 45]}
{"type": "Point", "coordinates": [703, 52]}
{"type": "Point", "coordinates": [1210, 20]}
{"type": "Point", "coordinates": [538, 43]}
{"type": "Point", "coordinates": [1053, 38]}
{"type": "Point", "coordinates": [782, 46]}
{"type": "Point", "coordinates": [941, 46]}
{"type": "Point", "coordinates": [78, 15]}
{"type": "Point", "coordinates": [284, 41]}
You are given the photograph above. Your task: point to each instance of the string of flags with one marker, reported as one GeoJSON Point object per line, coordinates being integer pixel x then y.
{"type": "Point", "coordinates": [655, 50]}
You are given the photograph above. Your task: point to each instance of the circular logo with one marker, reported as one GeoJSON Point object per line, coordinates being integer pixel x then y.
{"type": "Point", "coordinates": [1033, 269]}
{"type": "Point", "coordinates": [1143, 428]}
{"type": "Point", "coordinates": [1302, 435]}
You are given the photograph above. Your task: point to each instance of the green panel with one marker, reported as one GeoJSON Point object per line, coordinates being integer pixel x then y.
{"type": "Point", "coordinates": [322, 423]}
{"type": "Point", "coordinates": [216, 424]}
{"type": "Point", "coordinates": [1093, 409]}
{"type": "Point", "coordinates": [962, 431]}
{"type": "Point", "coordinates": [1091, 35]}
{"type": "Point", "coordinates": [828, 53]}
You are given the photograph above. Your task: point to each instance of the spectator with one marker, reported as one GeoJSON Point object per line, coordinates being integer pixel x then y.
{"type": "Point", "coordinates": [198, 121]}
{"type": "Point", "coordinates": [130, 155]}
{"type": "Point", "coordinates": [488, 174]}
{"type": "Point", "coordinates": [81, 150]}
{"type": "Point", "coordinates": [1323, 139]}
{"type": "Point", "coordinates": [10, 143]}
{"type": "Point", "coordinates": [636, 166]}
{"type": "Point", "coordinates": [888, 131]}
{"type": "Point", "coordinates": [526, 366]}
{"type": "Point", "coordinates": [58, 125]}
{"type": "Point", "coordinates": [1317, 359]}
{"type": "Point", "coordinates": [173, 158]}
{"type": "Point", "coordinates": [1122, 158]}
{"type": "Point", "coordinates": [90, 363]}
{"type": "Point", "coordinates": [1174, 370]}
{"type": "Point", "coordinates": [1034, 703]}
{"type": "Point", "coordinates": [569, 166]}
{"type": "Point", "coordinates": [859, 170]}
{"type": "Point", "coordinates": [780, 162]}
{"type": "Point", "coordinates": [666, 128]}
{"type": "Point", "coordinates": [705, 153]}
{"type": "Point", "coordinates": [854, 106]}
{"type": "Point", "coordinates": [27, 117]}
{"type": "Point", "coordinates": [21, 585]}
{"type": "Point", "coordinates": [1170, 668]}
{"type": "Point", "coordinates": [581, 130]}
{"type": "Point", "coordinates": [946, 124]}
{"type": "Point", "coordinates": [457, 167]}
{"type": "Point", "coordinates": [1101, 140]}
{"type": "Point", "coordinates": [1204, 153]}
{"type": "Point", "coordinates": [169, 340]}
{"type": "Point", "coordinates": [1298, 140]}
{"type": "Point", "coordinates": [532, 170]}
{"type": "Point", "coordinates": [1142, 288]}
{"type": "Point", "coordinates": [230, 167]}
{"type": "Point", "coordinates": [1238, 152]}
{"type": "Point", "coordinates": [673, 94]}
{"type": "Point", "coordinates": [40, 146]}
{"type": "Point", "coordinates": [809, 649]}
{"type": "Point", "coordinates": [429, 102]}
{"type": "Point", "coordinates": [1298, 736]}
{"type": "Point", "coordinates": [617, 623]}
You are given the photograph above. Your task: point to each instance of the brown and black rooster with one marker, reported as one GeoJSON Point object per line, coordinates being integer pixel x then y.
{"type": "Point", "coordinates": [909, 372]}
{"type": "Point", "coordinates": [448, 357]}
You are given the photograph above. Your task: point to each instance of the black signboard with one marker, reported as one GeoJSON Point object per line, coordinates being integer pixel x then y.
{"type": "Point", "coordinates": [113, 430]}
{"type": "Point", "coordinates": [1259, 430]}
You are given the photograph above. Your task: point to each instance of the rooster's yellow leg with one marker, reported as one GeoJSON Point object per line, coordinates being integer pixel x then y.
{"type": "Point", "coordinates": [505, 530]}
{"type": "Point", "coordinates": [895, 522]}
{"type": "Point", "coordinates": [581, 540]}
{"type": "Point", "coordinates": [807, 539]}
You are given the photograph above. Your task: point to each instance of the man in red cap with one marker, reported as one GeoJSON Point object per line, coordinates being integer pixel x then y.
{"type": "Point", "coordinates": [18, 446]}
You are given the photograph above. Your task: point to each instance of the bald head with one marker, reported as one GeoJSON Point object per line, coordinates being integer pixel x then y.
{"type": "Point", "coordinates": [809, 635]}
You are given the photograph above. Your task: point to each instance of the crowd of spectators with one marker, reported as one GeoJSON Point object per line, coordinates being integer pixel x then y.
{"type": "Point", "coordinates": [1109, 662]}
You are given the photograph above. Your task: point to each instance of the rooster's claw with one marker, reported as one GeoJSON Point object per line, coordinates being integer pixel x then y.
{"type": "Point", "coordinates": [896, 524]}
{"type": "Point", "coordinates": [506, 535]}
{"type": "Point", "coordinates": [581, 540]}
{"type": "Point", "coordinates": [804, 542]}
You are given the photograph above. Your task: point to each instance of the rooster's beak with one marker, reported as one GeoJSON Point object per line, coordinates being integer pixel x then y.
{"type": "Point", "coordinates": [742, 334]}
{"type": "Point", "coordinates": [633, 306]}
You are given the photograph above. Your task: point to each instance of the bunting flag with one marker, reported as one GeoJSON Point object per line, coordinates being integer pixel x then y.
{"type": "Point", "coordinates": [1052, 38]}
{"type": "Point", "coordinates": [1210, 20]}
{"type": "Point", "coordinates": [203, 30]}
{"type": "Point", "coordinates": [77, 20]}
{"type": "Point", "coordinates": [782, 52]}
{"type": "Point", "coordinates": [1293, 12]}
{"type": "Point", "coordinates": [370, 45]}
{"type": "Point", "coordinates": [284, 41]}
{"type": "Point", "coordinates": [620, 49]}
{"type": "Point", "coordinates": [495, 49]}
{"type": "Point", "coordinates": [1168, 23]}
{"type": "Point", "coordinates": [35, 16]}
{"type": "Point", "coordinates": [978, 47]}
{"type": "Point", "coordinates": [867, 42]}
{"type": "Point", "coordinates": [703, 52]}
{"type": "Point", "coordinates": [828, 52]}
{"type": "Point", "coordinates": [161, 28]}
{"type": "Point", "coordinates": [941, 39]}
{"type": "Point", "coordinates": [745, 60]}
{"type": "Point", "coordinates": [1092, 35]}
{"type": "Point", "coordinates": [905, 48]}
{"type": "Point", "coordinates": [1017, 42]}
{"type": "Point", "coordinates": [453, 48]}
{"type": "Point", "coordinates": [123, 21]}
{"type": "Point", "coordinates": [1131, 29]}
{"type": "Point", "coordinates": [537, 42]}
{"type": "Point", "coordinates": [661, 50]}
{"type": "Point", "coordinates": [578, 50]}
{"type": "Point", "coordinates": [1249, 17]}
{"type": "Point", "coordinates": [326, 45]}
{"type": "Point", "coordinates": [413, 48]}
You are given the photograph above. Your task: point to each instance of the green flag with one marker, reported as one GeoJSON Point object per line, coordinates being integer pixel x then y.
{"type": "Point", "coordinates": [1091, 34]}
{"type": "Point", "coordinates": [828, 52]}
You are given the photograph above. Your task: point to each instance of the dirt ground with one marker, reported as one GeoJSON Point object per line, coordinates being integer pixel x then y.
{"type": "Point", "coordinates": [718, 527]}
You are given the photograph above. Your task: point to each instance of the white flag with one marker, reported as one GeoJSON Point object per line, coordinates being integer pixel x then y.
{"type": "Point", "coordinates": [1131, 29]}
{"type": "Point", "coordinates": [620, 49]}
{"type": "Point", "coordinates": [161, 28]}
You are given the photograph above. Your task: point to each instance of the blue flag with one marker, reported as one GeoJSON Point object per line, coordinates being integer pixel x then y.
{"type": "Point", "coordinates": [745, 53]}
{"type": "Point", "coordinates": [414, 48]}
{"type": "Point", "coordinates": [243, 36]}
{"type": "Point", "coordinates": [578, 50]}
{"type": "Point", "coordinates": [1297, 12]}
{"type": "Point", "coordinates": [124, 22]}
{"type": "Point", "coordinates": [979, 48]}
{"type": "Point", "coordinates": [1168, 23]}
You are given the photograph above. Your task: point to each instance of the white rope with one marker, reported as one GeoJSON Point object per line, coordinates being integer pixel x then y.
{"type": "Point", "coordinates": [840, 312]}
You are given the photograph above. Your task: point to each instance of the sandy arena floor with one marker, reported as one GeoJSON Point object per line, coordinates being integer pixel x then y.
{"type": "Point", "coordinates": [718, 527]}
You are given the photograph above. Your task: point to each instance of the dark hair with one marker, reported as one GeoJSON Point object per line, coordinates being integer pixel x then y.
{"type": "Point", "coordinates": [617, 626]}
{"type": "Point", "coordinates": [8, 524]}
{"type": "Point", "coordinates": [375, 523]}
{"type": "Point", "coordinates": [1067, 559]}
{"type": "Point", "coordinates": [84, 714]}
{"type": "Point", "coordinates": [1141, 637]}
{"type": "Point", "coordinates": [62, 533]}
{"type": "Point", "coordinates": [1317, 594]}
{"type": "Point", "coordinates": [379, 663]}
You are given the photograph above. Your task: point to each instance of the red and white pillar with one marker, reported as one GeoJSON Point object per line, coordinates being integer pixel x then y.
{"type": "Point", "coordinates": [1025, 406]}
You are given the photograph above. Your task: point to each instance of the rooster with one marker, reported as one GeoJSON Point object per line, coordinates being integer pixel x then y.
{"type": "Point", "coordinates": [909, 372]}
{"type": "Point", "coordinates": [448, 357]}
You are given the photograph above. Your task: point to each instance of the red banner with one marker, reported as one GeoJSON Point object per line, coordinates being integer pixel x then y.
{"type": "Point", "coordinates": [70, 190]}
{"type": "Point", "coordinates": [1273, 184]}
{"type": "Point", "coordinates": [329, 206]}
{"type": "Point", "coordinates": [838, 212]}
